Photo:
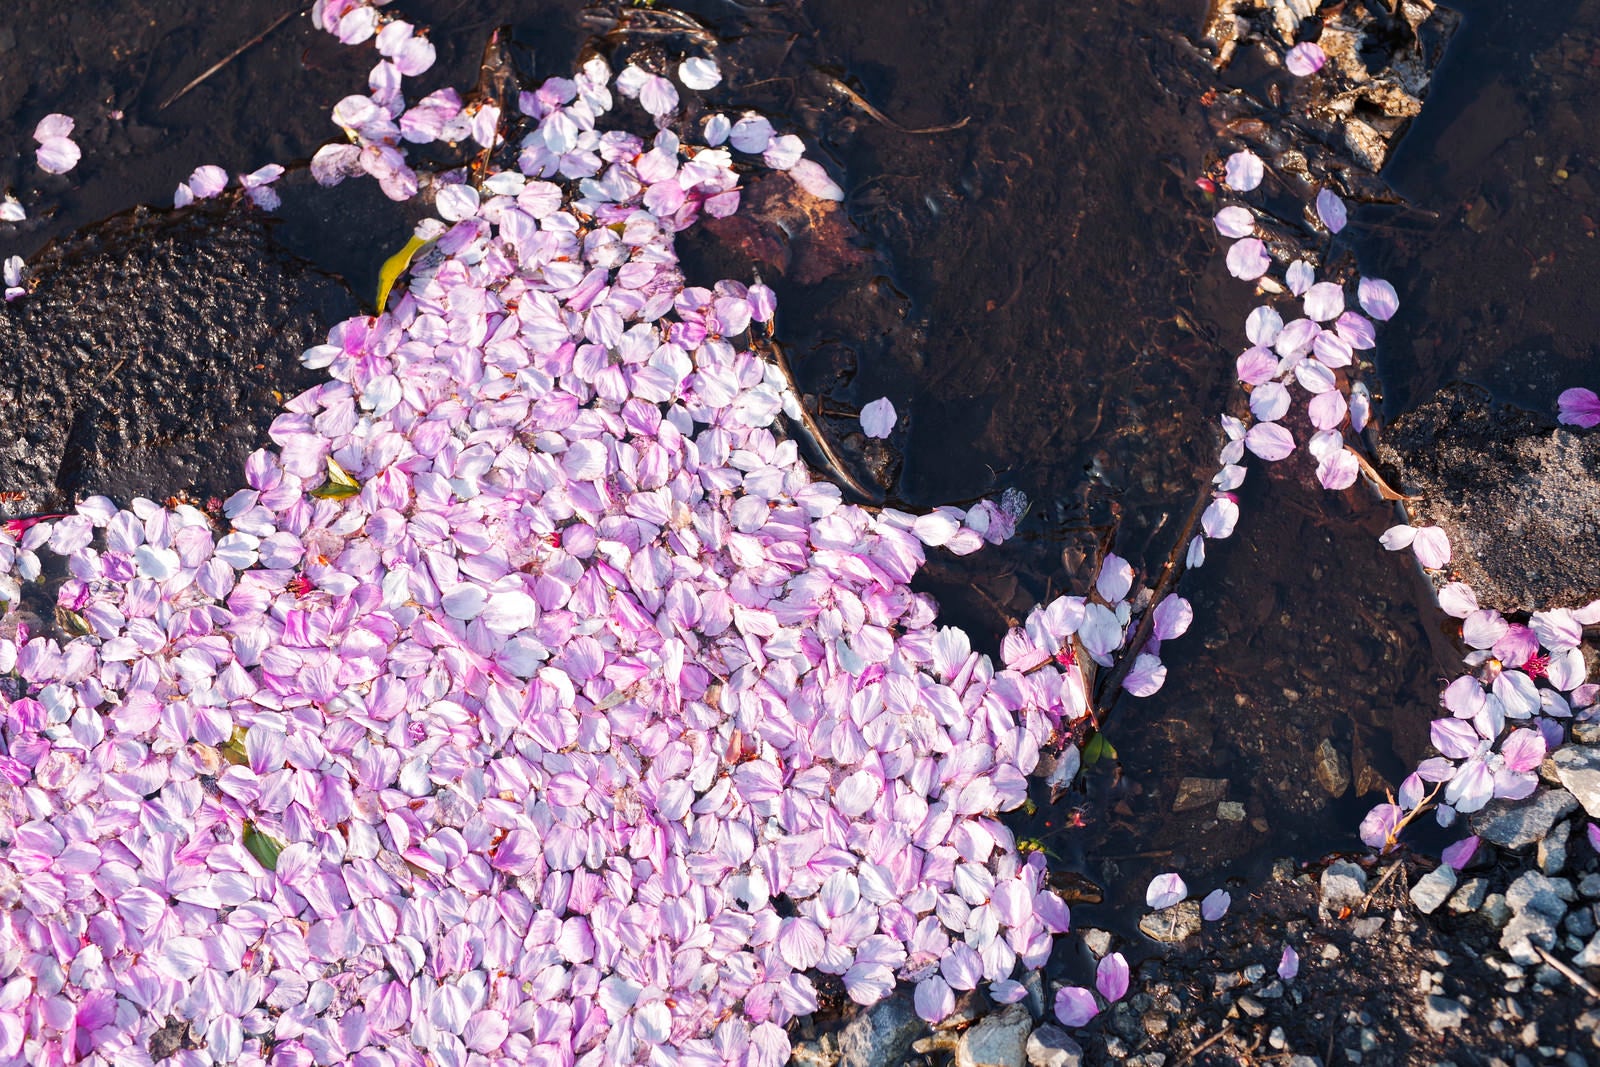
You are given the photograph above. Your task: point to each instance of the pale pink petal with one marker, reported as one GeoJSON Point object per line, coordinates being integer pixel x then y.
{"type": "Point", "coordinates": [1244, 171]}
{"type": "Point", "coordinates": [1304, 59]}
{"type": "Point", "coordinates": [878, 418]}
{"type": "Point", "coordinates": [1165, 890]}
{"type": "Point", "coordinates": [1075, 1006]}
{"type": "Point", "coordinates": [1111, 977]}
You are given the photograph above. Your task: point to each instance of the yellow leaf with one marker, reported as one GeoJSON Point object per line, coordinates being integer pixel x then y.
{"type": "Point", "coordinates": [396, 265]}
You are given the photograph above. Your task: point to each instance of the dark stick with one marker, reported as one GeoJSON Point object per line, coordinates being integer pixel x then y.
{"type": "Point", "coordinates": [231, 56]}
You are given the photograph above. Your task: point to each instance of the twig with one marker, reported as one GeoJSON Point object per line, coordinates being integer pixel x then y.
{"type": "Point", "coordinates": [1207, 1043]}
{"type": "Point", "coordinates": [1372, 472]}
{"type": "Point", "coordinates": [808, 426]}
{"type": "Point", "coordinates": [1572, 976]}
{"type": "Point", "coordinates": [233, 55]}
{"type": "Point", "coordinates": [1171, 571]}
{"type": "Point", "coordinates": [1362, 907]}
{"type": "Point", "coordinates": [865, 105]}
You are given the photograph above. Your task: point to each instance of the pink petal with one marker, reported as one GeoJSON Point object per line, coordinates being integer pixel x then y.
{"type": "Point", "coordinates": [53, 125]}
{"type": "Point", "coordinates": [1244, 171]}
{"type": "Point", "coordinates": [1324, 301]}
{"type": "Point", "coordinates": [1165, 890]}
{"type": "Point", "coordinates": [1111, 977]}
{"type": "Point", "coordinates": [1235, 221]}
{"type": "Point", "coordinates": [1331, 210]}
{"type": "Point", "coordinates": [1579, 407]}
{"type": "Point", "coordinates": [878, 418]}
{"type": "Point", "coordinates": [1289, 964]}
{"type": "Point", "coordinates": [1270, 441]}
{"type": "Point", "coordinates": [1304, 59]}
{"type": "Point", "coordinates": [1215, 905]}
{"type": "Point", "coordinates": [1147, 677]}
{"type": "Point", "coordinates": [1339, 470]}
{"type": "Point", "coordinates": [1460, 854]}
{"type": "Point", "coordinates": [1378, 298]}
{"type": "Point", "coordinates": [1075, 1006]}
{"type": "Point", "coordinates": [934, 999]}
{"type": "Point", "coordinates": [57, 155]}
{"type": "Point", "coordinates": [1248, 259]}
{"type": "Point", "coordinates": [1432, 547]}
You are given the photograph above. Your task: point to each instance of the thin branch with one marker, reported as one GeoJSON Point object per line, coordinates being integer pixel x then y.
{"type": "Point", "coordinates": [1171, 571]}
{"type": "Point", "coordinates": [1572, 976]}
{"type": "Point", "coordinates": [233, 55]}
{"type": "Point", "coordinates": [1227, 1028]}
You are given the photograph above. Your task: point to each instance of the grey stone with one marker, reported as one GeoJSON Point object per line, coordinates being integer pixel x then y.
{"type": "Point", "coordinates": [1552, 851]}
{"type": "Point", "coordinates": [1000, 1040]}
{"type": "Point", "coordinates": [1230, 811]}
{"type": "Point", "coordinates": [1537, 892]}
{"type": "Point", "coordinates": [1442, 1013]}
{"type": "Point", "coordinates": [1177, 923]}
{"type": "Point", "coordinates": [1578, 767]}
{"type": "Point", "coordinates": [1251, 1006]}
{"type": "Point", "coordinates": [1051, 1046]}
{"type": "Point", "coordinates": [1196, 793]}
{"type": "Point", "coordinates": [1367, 927]}
{"type": "Point", "coordinates": [1469, 896]}
{"type": "Point", "coordinates": [1033, 982]}
{"type": "Point", "coordinates": [1519, 497]}
{"type": "Point", "coordinates": [1433, 888]}
{"type": "Point", "coordinates": [1579, 922]}
{"type": "Point", "coordinates": [1496, 910]}
{"type": "Point", "coordinates": [1586, 731]}
{"type": "Point", "coordinates": [1524, 931]}
{"type": "Point", "coordinates": [882, 1035]}
{"type": "Point", "coordinates": [1343, 883]}
{"type": "Point", "coordinates": [1097, 941]}
{"type": "Point", "coordinates": [1590, 957]}
{"type": "Point", "coordinates": [1518, 823]}
{"type": "Point", "coordinates": [1332, 769]}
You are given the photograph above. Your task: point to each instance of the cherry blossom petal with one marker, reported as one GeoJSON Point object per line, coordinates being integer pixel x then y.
{"type": "Point", "coordinates": [1165, 890]}
{"type": "Point", "coordinates": [878, 418]}
{"type": "Point", "coordinates": [1244, 171]}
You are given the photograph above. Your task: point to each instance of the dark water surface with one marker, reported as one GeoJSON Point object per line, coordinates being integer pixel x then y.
{"type": "Point", "coordinates": [1040, 293]}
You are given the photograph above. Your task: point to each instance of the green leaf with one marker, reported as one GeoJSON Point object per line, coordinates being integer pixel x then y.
{"type": "Point", "coordinates": [263, 848]}
{"type": "Point", "coordinates": [395, 266]}
{"type": "Point", "coordinates": [1096, 749]}
{"type": "Point", "coordinates": [339, 484]}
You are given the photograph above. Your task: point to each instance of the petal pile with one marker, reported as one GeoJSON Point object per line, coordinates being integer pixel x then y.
{"type": "Point", "coordinates": [532, 702]}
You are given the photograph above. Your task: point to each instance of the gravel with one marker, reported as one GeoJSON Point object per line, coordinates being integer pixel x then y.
{"type": "Point", "coordinates": [1470, 896]}
{"type": "Point", "coordinates": [1519, 823]}
{"type": "Point", "coordinates": [1578, 768]}
{"type": "Point", "coordinates": [1051, 1046]}
{"type": "Point", "coordinates": [1433, 888]}
{"type": "Point", "coordinates": [1442, 1013]}
{"type": "Point", "coordinates": [999, 1040]}
{"type": "Point", "coordinates": [1343, 884]}
{"type": "Point", "coordinates": [1524, 931]}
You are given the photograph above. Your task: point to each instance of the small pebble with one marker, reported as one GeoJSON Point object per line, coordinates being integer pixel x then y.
{"type": "Point", "coordinates": [1442, 1013]}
